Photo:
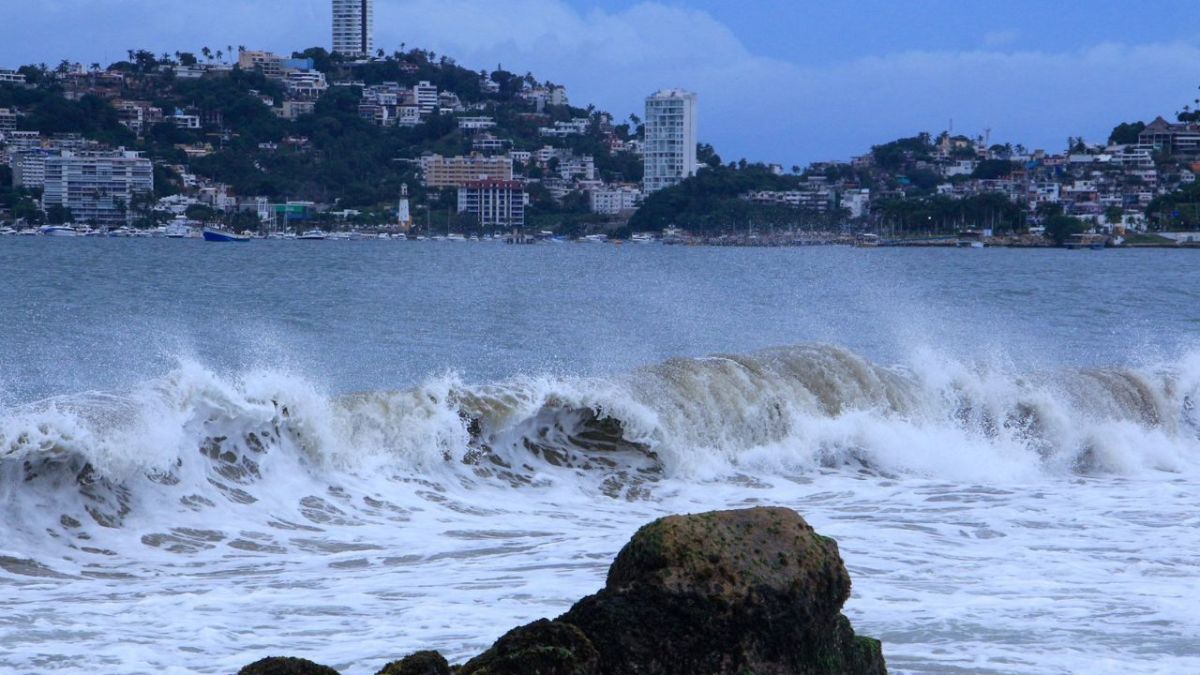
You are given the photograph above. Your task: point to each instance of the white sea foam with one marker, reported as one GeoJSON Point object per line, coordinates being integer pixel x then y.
{"type": "Point", "coordinates": [993, 521]}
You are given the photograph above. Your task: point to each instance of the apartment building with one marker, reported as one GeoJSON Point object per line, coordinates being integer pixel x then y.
{"type": "Point", "coordinates": [669, 152]}
{"type": "Point", "coordinates": [441, 171]}
{"type": "Point", "coordinates": [353, 27]}
{"type": "Point", "coordinates": [496, 203]}
{"type": "Point", "coordinates": [98, 187]}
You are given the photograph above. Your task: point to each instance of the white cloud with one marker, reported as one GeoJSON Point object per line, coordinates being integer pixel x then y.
{"type": "Point", "coordinates": [750, 105]}
{"type": "Point", "coordinates": [772, 109]}
{"type": "Point", "coordinates": [1000, 38]}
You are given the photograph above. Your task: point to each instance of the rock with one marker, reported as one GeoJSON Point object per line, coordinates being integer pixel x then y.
{"type": "Point", "coordinates": [753, 590]}
{"type": "Point", "coordinates": [418, 663]}
{"type": "Point", "coordinates": [286, 665]}
{"type": "Point", "coordinates": [540, 648]}
{"type": "Point", "coordinates": [746, 592]}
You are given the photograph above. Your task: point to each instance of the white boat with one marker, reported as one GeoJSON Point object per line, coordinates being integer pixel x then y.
{"type": "Point", "coordinates": [594, 239]}
{"type": "Point", "coordinates": [57, 231]}
{"type": "Point", "coordinates": [178, 229]}
{"type": "Point", "coordinates": [642, 238]}
{"type": "Point", "coordinates": [313, 235]}
{"type": "Point", "coordinates": [400, 236]}
{"type": "Point", "coordinates": [7, 231]}
{"type": "Point", "coordinates": [454, 236]}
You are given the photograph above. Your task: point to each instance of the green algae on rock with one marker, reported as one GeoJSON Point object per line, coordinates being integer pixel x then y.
{"type": "Point", "coordinates": [286, 665]}
{"type": "Point", "coordinates": [418, 663]}
{"type": "Point", "coordinates": [744, 591]}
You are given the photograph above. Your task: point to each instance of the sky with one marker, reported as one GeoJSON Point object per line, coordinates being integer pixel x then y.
{"type": "Point", "coordinates": [789, 81]}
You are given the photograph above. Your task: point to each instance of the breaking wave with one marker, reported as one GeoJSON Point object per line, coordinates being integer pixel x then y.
{"type": "Point", "coordinates": [193, 440]}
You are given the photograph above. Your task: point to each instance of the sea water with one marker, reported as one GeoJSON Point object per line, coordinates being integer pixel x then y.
{"type": "Point", "coordinates": [348, 451]}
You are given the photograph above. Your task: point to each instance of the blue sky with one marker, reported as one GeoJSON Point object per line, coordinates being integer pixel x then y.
{"type": "Point", "coordinates": [787, 82]}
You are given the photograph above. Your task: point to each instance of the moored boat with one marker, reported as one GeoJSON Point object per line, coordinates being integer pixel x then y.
{"type": "Point", "coordinates": [215, 234]}
{"type": "Point", "coordinates": [313, 235]}
{"type": "Point", "coordinates": [57, 231]}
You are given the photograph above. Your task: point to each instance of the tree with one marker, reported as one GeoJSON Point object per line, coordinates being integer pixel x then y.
{"type": "Point", "coordinates": [57, 215]}
{"type": "Point", "coordinates": [993, 168]}
{"type": "Point", "coordinates": [705, 154]}
{"type": "Point", "coordinates": [1060, 228]}
{"type": "Point", "coordinates": [1126, 133]}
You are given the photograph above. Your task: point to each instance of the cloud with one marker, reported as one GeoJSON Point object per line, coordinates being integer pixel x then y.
{"type": "Point", "coordinates": [1000, 38]}
{"type": "Point", "coordinates": [751, 105]}
{"type": "Point", "coordinates": [772, 109]}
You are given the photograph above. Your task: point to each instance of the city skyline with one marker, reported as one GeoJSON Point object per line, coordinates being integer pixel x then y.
{"type": "Point", "coordinates": [779, 85]}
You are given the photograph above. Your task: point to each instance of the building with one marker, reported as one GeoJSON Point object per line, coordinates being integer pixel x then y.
{"type": "Point", "coordinates": [496, 203]}
{"type": "Point", "coordinates": [669, 153]}
{"type": "Point", "coordinates": [185, 121]}
{"type": "Point", "coordinates": [426, 96]}
{"type": "Point", "coordinates": [98, 187]}
{"type": "Point", "coordinates": [137, 116]}
{"type": "Point", "coordinates": [291, 110]}
{"type": "Point", "coordinates": [270, 64]}
{"type": "Point", "coordinates": [8, 121]}
{"type": "Point", "coordinates": [1174, 139]}
{"type": "Point", "coordinates": [441, 171]}
{"type": "Point", "coordinates": [305, 84]}
{"type": "Point", "coordinates": [29, 168]}
{"type": "Point", "coordinates": [353, 27]}
{"type": "Point", "coordinates": [857, 202]}
{"type": "Point", "coordinates": [17, 141]}
{"type": "Point", "coordinates": [11, 76]}
{"type": "Point", "coordinates": [476, 123]}
{"type": "Point", "coordinates": [613, 200]}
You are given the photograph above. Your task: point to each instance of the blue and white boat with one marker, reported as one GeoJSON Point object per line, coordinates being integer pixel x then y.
{"type": "Point", "coordinates": [214, 234]}
{"type": "Point", "coordinates": [58, 231]}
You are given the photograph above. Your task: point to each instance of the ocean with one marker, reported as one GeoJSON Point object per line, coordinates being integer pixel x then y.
{"type": "Point", "coordinates": [348, 451]}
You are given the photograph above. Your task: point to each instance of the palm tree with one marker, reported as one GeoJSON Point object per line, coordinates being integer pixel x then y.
{"type": "Point", "coordinates": [219, 55]}
{"type": "Point", "coordinates": [207, 53]}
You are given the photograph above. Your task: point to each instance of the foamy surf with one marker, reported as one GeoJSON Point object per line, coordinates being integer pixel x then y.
{"type": "Point", "coordinates": [439, 514]}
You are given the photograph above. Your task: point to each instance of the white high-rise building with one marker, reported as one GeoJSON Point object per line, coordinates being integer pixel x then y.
{"type": "Point", "coordinates": [353, 27]}
{"type": "Point", "coordinates": [98, 187]}
{"type": "Point", "coordinates": [669, 152]}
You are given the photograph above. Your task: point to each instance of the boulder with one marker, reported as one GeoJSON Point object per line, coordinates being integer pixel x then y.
{"type": "Point", "coordinates": [753, 590]}
{"type": "Point", "coordinates": [418, 663]}
{"type": "Point", "coordinates": [286, 665]}
{"type": "Point", "coordinates": [540, 648]}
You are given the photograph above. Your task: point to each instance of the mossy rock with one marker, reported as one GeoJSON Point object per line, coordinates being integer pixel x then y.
{"type": "Point", "coordinates": [286, 665]}
{"type": "Point", "coordinates": [727, 592]}
{"type": "Point", "coordinates": [418, 663]}
{"type": "Point", "coordinates": [540, 648]}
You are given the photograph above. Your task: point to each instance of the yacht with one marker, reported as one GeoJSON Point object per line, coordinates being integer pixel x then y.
{"type": "Point", "coordinates": [57, 231]}
{"type": "Point", "coordinates": [178, 229]}
{"type": "Point", "coordinates": [313, 235]}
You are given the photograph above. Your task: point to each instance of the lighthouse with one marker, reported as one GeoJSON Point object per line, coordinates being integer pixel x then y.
{"type": "Point", "coordinates": [403, 215]}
